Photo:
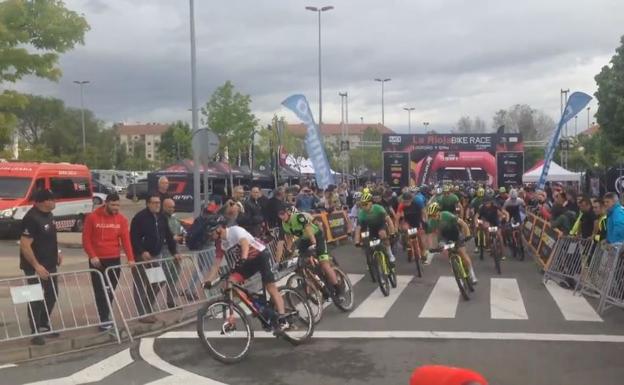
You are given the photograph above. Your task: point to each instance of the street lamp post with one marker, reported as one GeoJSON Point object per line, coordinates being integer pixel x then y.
{"type": "Point", "coordinates": [588, 108]}
{"type": "Point", "coordinates": [82, 83]}
{"type": "Point", "coordinates": [409, 118]}
{"type": "Point", "coordinates": [195, 115]}
{"type": "Point", "coordinates": [319, 11]}
{"type": "Point", "coordinates": [382, 81]}
{"type": "Point", "coordinates": [426, 124]}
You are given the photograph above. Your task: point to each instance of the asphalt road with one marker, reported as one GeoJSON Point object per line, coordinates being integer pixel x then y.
{"type": "Point", "coordinates": [514, 330]}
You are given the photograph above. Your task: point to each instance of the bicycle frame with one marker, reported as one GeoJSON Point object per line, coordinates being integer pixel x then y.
{"type": "Point", "coordinates": [232, 290]}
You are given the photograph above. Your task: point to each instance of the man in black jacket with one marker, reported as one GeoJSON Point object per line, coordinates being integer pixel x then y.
{"type": "Point", "coordinates": [252, 218]}
{"type": "Point", "coordinates": [149, 232]}
{"type": "Point", "coordinates": [272, 208]}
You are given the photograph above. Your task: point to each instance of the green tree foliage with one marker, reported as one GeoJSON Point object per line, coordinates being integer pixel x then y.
{"type": "Point", "coordinates": [466, 125]}
{"type": "Point", "coordinates": [367, 157]}
{"type": "Point", "coordinates": [267, 141]}
{"type": "Point", "coordinates": [32, 35]}
{"type": "Point", "coordinates": [228, 114]}
{"type": "Point", "coordinates": [531, 123]}
{"type": "Point", "coordinates": [175, 143]}
{"type": "Point", "coordinates": [610, 95]}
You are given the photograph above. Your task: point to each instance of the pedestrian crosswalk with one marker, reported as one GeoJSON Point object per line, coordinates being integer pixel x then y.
{"type": "Point", "coordinates": [443, 300]}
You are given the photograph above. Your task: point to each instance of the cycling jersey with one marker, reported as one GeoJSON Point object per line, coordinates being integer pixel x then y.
{"type": "Point", "coordinates": [412, 213]}
{"type": "Point", "coordinates": [258, 258]}
{"type": "Point", "coordinates": [448, 202]}
{"type": "Point", "coordinates": [297, 223]}
{"type": "Point", "coordinates": [374, 218]}
{"type": "Point", "coordinates": [489, 214]}
{"type": "Point", "coordinates": [515, 207]}
{"type": "Point", "coordinates": [447, 224]}
{"type": "Point", "coordinates": [476, 203]}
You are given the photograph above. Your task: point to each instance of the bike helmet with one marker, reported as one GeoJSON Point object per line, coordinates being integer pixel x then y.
{"type": "Point", "coordinates": [216, 222]}
{"type": "Point", "coordinates": [513, 193]}
{"type": "Point", "coordinates": [502, 190]}
{"type": "Point", "coordinates": [290, 209]}
{"type": "Point", "coordinates": [366, 197]}
{"type": "Point", "coordinates": [433, 208]}
{"type": "Point", "coordinates": [480, 192]}
{"type": "Point", "coordinates": [357, 195]}
{"type": "Point", "coordinates": [406, 197]}
{"type": "Point", "coordinates": [446, 188]}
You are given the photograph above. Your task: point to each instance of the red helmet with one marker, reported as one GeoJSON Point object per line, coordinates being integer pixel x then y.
{"type": "Point", "coordinates": [445, 375]}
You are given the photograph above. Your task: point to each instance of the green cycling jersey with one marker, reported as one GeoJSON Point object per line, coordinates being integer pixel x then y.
{"type": "Point", "coordinates": [375, 217]}
{"type": "Point", "coordinates": [297, 223]}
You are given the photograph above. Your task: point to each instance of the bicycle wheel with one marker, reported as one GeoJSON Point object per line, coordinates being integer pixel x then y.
{"type": "Point", "coordinates": [309, 291]}
{"type": "Point", "coordinates": [346, 302]}
{"type": "Point", "coordinates": [224, 331]}
{"type": "Point", "coordinates": [299, 317]}
{"type": "Point", "coordinates": [481, 242]}
{"type": "Point", "coordinates": [459, 273]}
{"type": "Point", "coordinates": [496, 254]}
{"type": "Point", "coordinates": [417, 257]}
{"type": "Point", "coordinates": [382, 277]}
{"type": "Point", "coordinates": [370, 264]}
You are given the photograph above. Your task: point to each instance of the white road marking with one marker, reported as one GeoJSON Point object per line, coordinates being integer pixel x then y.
{"type": "Point", "coordinates": [506, 300]}
{"type": "Point", "coordinates": [177, 375]}
{"type": "Point", "coordinates": [443, 300]}
{"type": "Point", "coordinates": [94, 373]}
{"type": "Point", "coordinates": [573, 307]}
{"type": "Point", "coordinates": [354, 278]}
{"type": "Point", "coordinates": [376, 305]}
{"type": "Point", "coordinates": [429, 334]}
{"type": "Point", "coordinates": [6, 366]}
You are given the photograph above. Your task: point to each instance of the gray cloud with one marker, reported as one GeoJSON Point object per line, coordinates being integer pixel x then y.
{"type": "Point", "coordinates": [447, 58]}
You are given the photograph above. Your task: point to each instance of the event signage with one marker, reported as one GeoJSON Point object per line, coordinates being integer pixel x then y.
{"type": "Point", "coordinates": [576, 103]}
{"type": "Point", "coordinates": [549, 238]}
{"type": "Point", "coordinates": [338, 225]}
{"type": "Point", "coordinates": [510, 167]}
{"type": "Point", "coordinates": [396, 169]}
{"type": "Point", "coordinates": [313, 140]}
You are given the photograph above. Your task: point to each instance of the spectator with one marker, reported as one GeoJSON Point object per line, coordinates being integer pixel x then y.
{"type": "Point", "coordinates": [306, 201]}
{"type": "Point", "coordinates": [105, 231]}
{"type": "Point", "coordinates": [272, 208]}
{"type": "Point", "coordinates": [330, 200]}
{"type": "Point", "coordinates": [252, 219]}
{"type": "Point", "coordinates": [149, 231]}
{"type": "Point", "coordinates": [543, 205]}
{"type": "Point", "coordinates": [584, 224]}
{"type": "Point", "coordinates": [171, 267]}
{"type": "Point", "coordinates": [342, 194]}
{"type": "Point", "coordinates": [163, 189]}
{"type": "Point", "coordinates": [238, 194]}
{"type": "Point", "coordinates": [561, 218]}
{"type": "Point", "coordinates": [39, 254]}
{"type": "Point", "coordinates": [600, 226]}
{"type": "Point", "coordinates": [615, 218]}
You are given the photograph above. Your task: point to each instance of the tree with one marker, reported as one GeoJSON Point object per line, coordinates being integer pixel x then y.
{"type": "Point", "coordinates": [175, 143]}
{"type": "Point", "coordinates": [267, 142]}
{"type": "Point", "coordinates": [521, 118]}
{"type": "Point", "coordinates": [465, 125]}
{"type": "Point", "coordinates": [228, 114]}
{"type": "Point", "coordinates": [367, 157]}
{"type": "Point", "coordinates": [32, 35]}
{"type": "Point", "coordinates": [610, 95]}
{"type": "Point", "coordinates": [37, 117]}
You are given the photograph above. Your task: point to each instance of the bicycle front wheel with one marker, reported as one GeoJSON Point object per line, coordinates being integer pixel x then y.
{"type": "Point", "coordinates": [299, 317]}
{"type": "Point", "coordinates": [309, 291]}
{"type": "Point", "coordinates": [224, 331]}
{"type": "Point", "coordinates": [380, 273]}
{"type": "Point", "coordinates": [415, 250]}
{"type": "Point", "coordinates": [496, 254]}
{"type": "Point", "coordinates": [459, 273]}
{"type": "Point", "coordinates": [346, 300]}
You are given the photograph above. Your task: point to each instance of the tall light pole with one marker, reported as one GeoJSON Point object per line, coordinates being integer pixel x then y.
{"type": "Point", "coordinates": [319, 11]}
{"type": "Point", "coordinates": [82, 83]}
{"type": "Point", "coordinates": [344, 99]}
{"type": "Point", "coordinates": [382, 81]}
{"type": "Point", "coordinates": [426, 124]}
{"type": "Point", "coordinates": [195, 115]}
{"type": "Point", "coordinates": [588, 108]}
{"type": "Point", "coordinates": [409, 118]}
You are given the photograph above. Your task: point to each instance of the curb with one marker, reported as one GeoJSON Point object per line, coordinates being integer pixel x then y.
{"type": "Point", "coordinates": [70, 245]}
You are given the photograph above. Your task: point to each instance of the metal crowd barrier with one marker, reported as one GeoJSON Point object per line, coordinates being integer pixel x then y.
{"type": "Point", "coordinates": [63, 302]}
{"type": "Point", "coordinates": [567, 260]}
{"type": "Point", "coordinates": [604, 277]}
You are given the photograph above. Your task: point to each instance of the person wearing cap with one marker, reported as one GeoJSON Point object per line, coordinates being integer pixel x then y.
{"type": "Point", "coordinates": [39, 255]}
{"type": "Point", "coordinates": [105, 231]}
{"type": "Point", "coordinates": [448, 201]}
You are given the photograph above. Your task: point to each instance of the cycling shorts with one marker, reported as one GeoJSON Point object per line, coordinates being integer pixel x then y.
{"type": "Point", "coordinates": [261, 263]}
{"type": "Point", "coordinates": [321, 247]}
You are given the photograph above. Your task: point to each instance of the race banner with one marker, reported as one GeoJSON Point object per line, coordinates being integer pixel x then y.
{"type": "Point", "coordinates": [510, 167]}
{"type": "Point", "coordinates": [396, 169]}
{"type": "Point", "coordinates": [313, 140]}
{"type": "Point", "coordinates": [576, 103]}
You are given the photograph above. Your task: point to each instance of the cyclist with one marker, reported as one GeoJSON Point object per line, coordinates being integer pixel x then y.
{"type": "Point", "coordinates": [375, 218]}
{"type": "Point", "coordinates": [311, 237]}
{"type": "Point", "coordinates": [501, 196]}
{"type": "Point", "coordinates": [515, 207]}
{"type": "Point", "coordinates": [477, 201]}
{"type": "Point", "coordinates": [447, 225]}
{"type": "Point", "coordinates": [254, 257]}
{"type": "Point", "coordinates": [492, 214]}
{"type": "Point", "coordinates": [448, 201]}
{"type": "Point", "coordinates": [411, 212]}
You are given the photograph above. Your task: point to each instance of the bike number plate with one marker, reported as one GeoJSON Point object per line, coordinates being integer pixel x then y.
{"type": "Point", "coordinates": [412, 231]}
{"type": "Point", "coordinates": [375, 242]}
{"type": "Point", "coordinates": [364, 235]}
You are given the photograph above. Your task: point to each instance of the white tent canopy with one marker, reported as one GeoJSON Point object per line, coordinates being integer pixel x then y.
{"type": "Point", "coordinates": [301, 164]}
{"type": "Point", "coordinates": [556, 173]}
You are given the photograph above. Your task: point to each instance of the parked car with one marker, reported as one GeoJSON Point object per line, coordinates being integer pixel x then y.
{"type": "Point", "coordinates": [103, 187]}
{"type": "Point", "coordinates": [137, 191]}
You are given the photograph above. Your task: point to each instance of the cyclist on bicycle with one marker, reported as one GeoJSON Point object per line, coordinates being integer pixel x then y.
{"type": "Point", "coordinates": [410, 214]}
{"type": "Point", "coordinates": [448, 201]}
{"type": "Point", "coordinates": [311, 238]}
{"type": "Point", "coordinates": [515, 206]}
{"type": "Point", "coordinates": [254, 258]}
{"type": "Point", "coordinates": [448, 226]}
{"type": "Point", "coordinates": [375, 218]}
{"type": "Point", "coordinates": [491, 215]}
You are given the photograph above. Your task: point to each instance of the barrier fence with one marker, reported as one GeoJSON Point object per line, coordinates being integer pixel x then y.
{"type": "Point", "coordinates": [569, 255]}
{"type": "Point", "coordinates": [31, 306]}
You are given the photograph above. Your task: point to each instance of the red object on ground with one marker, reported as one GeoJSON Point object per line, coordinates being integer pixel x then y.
{"type": "Point", "coordinates": [445, 375]}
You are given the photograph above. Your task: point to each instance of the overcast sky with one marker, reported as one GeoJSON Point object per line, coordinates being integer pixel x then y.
{"type": "Point", "coordinates": [446, 58]}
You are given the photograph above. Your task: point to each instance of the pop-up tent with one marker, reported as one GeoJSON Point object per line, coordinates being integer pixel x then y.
{"type": "Point", "coordinates": [556, 173]}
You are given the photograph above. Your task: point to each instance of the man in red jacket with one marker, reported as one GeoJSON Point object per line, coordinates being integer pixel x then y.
{"type": "Point", "coordinates": [105, 231]}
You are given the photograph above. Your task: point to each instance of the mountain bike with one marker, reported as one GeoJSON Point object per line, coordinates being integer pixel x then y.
{"type": "Point", "coordinates": [413, 249]}
{"type": "Point", "coordinates": [310, 279]}
{"type": "Point", "coordinates": [496, 249]}
{"type": "Point", "coordinates": [515, 241]}
{"type": "Point", "coordinates": [379, 264]}
{"type": "Point", "coordinates": [460, 271]}
{"type": "Point", "coordinates": [480, 239]}
{"type": "Point", "coordinates": [225, 331]}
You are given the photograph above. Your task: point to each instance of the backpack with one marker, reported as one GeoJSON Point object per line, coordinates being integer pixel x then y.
{"type": "Point", "coordinates": [197, 237]}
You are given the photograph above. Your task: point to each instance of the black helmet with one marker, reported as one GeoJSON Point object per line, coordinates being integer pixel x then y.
{"type": "Point", "coordinates": [215, 222]}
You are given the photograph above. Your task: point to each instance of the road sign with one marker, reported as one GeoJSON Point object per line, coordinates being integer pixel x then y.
{"type": "Point", "coordinates": [206, 144]}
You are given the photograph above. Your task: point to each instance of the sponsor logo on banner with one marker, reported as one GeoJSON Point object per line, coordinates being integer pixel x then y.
{"type": "Point", "coordinates": [394, 139]}
{"type": "Point", "coordinates": [313, 140]}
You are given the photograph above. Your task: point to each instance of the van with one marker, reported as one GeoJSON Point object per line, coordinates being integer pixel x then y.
{"type": "Point", "coordinates": [70, 184]}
